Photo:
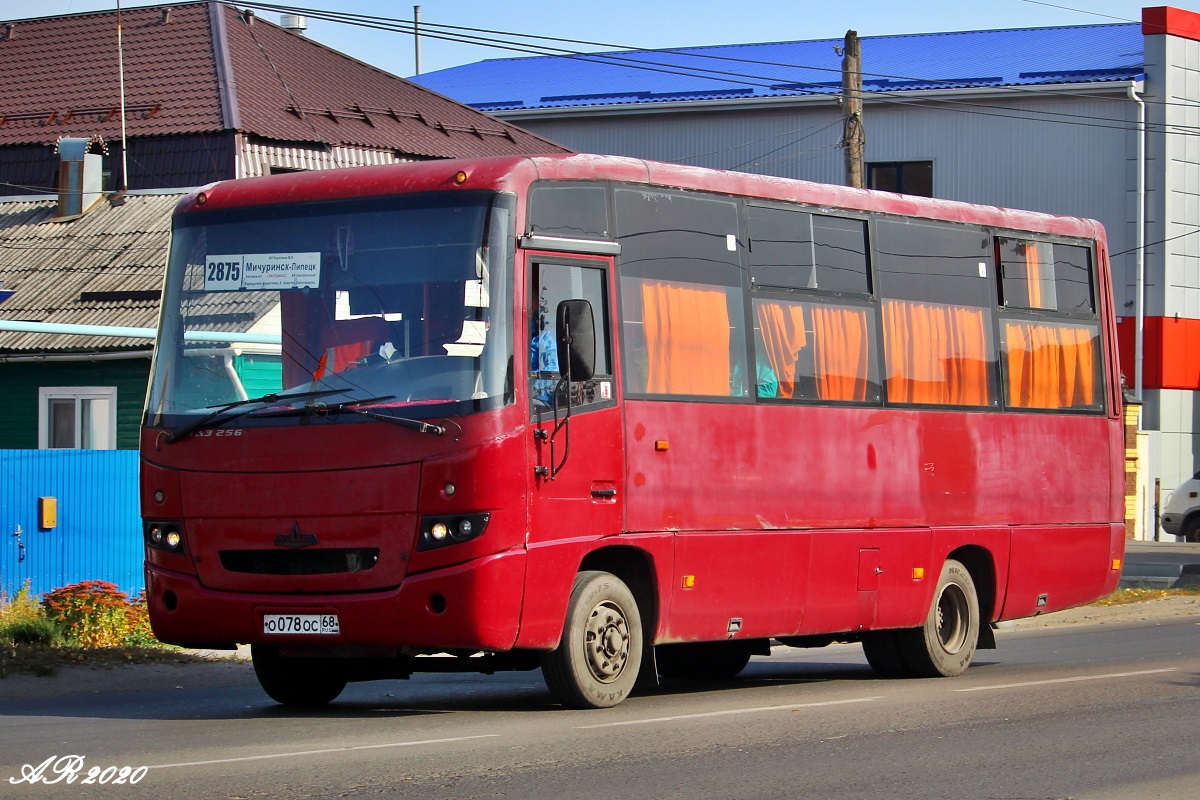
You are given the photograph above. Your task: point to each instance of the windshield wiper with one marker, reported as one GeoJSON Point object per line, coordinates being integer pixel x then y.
{"type": "Point", "coordinates": [411, 424]}
{"type": "Point", "coordinates": [219, 410]}
{"type": "Point", "coordinates": [322, 410]}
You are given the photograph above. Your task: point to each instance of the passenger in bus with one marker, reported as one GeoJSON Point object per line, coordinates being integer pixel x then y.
{"type": "Point", "coordinates": [766, 382]}
{"type": "Point", "coordinates": [543, 358]}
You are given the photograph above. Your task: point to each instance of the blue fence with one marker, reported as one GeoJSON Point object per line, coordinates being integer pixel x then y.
{"type": "Point", "coordinates": [98, 530]}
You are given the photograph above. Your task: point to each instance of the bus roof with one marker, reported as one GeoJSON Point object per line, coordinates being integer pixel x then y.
{"type": "Point", "coordinates": [515, 173]}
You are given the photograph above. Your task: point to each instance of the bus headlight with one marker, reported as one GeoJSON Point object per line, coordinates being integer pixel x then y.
{"type": "Point", "coordinates": [164, 536]}
{"type": "Point", "coordinates": [441, 531]}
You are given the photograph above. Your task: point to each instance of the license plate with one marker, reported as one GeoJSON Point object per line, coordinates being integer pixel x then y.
{"type": "Point", "coordinates": [311, 624]}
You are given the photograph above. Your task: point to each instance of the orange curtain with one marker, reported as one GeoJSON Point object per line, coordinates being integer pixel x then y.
{"type": "Point", "coordinates": [687, 339]}
{"type": "Point", "coordinates": [840, 352]}
{"type": "Point", "coordinates": [936, 354]}
{"type": "Point", "coordinates": [782, 329]}
{"type": "Point", "coordinates": [1050, 366]}
{"type": "Point", "coordinates": [1033, 274]}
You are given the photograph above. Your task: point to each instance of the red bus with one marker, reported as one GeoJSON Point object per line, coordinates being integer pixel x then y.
{"type": "Point", "coordinates": [620, 420]}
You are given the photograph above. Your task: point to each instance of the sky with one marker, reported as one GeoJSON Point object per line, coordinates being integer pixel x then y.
{"type": "Point", "coordinates": [642, 23]}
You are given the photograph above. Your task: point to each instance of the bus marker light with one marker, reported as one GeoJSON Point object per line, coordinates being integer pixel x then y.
{"type": "Point", "coordinates": [689, 581]}
{"type": "Point", "coordinates": [450, 489]}
{"type": "Point", "coordinates": [918, 573]}
{"type": "Point", "coordinates": [661, 445]}
{"type": "Point", "coordinates": [460, 177]}
{"type": "Point", "coordinates": [1116, 565]}
{"type": "Point", "coordinates": [201, 199]}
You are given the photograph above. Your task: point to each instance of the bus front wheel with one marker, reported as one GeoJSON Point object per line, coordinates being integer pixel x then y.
{"type": "Point", "coordinates": [945, 644]}
{"type": "Point", "coordinates": [297, 682]}
{"type": "Point", "coordinates": [598, 657]}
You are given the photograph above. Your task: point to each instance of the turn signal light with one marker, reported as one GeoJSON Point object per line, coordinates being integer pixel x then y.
{"type": "Point", "coordinates": [1116, 565]}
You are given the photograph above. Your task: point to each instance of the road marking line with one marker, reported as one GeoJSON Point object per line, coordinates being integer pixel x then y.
{"type": "Point", "coordinates": [1066, 680]}
{"type": "Point", "coordinates": [757, 710]}
{"type": "Point", "coordinates": [320, 752]}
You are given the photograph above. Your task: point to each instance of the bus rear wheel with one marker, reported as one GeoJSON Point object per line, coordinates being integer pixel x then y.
{"type": "Point", "coordinates": [296, 682]}
{"type": "Point", "coordinates": [945, 644]}
{"type": "Point", "coordinates": [598, 657]}
{"type": "Point", "coordinates": [703, 661]}
{"type": "Point", "coordinates": [1191, 531]}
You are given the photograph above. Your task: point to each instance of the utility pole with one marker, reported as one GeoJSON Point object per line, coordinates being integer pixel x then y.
{"type": "Point", "coordinates": [854, 137]}
{"type": "Point", "coordinates": [417, 39]}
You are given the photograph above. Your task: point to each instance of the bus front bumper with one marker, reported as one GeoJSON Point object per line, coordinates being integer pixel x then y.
{"type": "Point", "coordinates": [472, 606]}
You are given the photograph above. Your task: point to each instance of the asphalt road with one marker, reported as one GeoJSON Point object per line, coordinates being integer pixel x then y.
{"type": "Point", "coordinates": [1085, 711]}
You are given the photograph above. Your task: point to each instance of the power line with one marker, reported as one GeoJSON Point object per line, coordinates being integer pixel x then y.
{"type": "Point", "coordinates": [627, 59]}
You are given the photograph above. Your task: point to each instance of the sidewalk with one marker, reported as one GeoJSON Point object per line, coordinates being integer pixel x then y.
{"type": "Point", "coordinates": [1147, 611]}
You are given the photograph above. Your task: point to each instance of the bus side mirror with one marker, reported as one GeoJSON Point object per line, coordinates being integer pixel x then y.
{"type": "Point", "coordinates": [575, 333]}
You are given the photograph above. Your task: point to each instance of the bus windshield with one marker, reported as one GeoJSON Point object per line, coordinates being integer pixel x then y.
{"type": "Point", "coordinates": [400, 305]}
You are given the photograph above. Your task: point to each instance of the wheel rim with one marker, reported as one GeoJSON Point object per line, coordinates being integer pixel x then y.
{"type": "Point", "coordinates": [606, 642]}
{"type": "Point", "coordinates": [953, 618]}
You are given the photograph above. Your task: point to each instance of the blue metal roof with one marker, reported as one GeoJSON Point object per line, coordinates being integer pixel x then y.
{"type": "Point", "coordinates": [1014, 57]}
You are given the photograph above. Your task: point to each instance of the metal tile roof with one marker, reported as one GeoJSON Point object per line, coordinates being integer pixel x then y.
{"type": "Point", "coordinates": [52, 264]}
{"type": "Point", "coordinates": [203, 67]}
{"type": "Point", "coordinates": [996, 58]}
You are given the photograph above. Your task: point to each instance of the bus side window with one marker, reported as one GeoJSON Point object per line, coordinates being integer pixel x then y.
{"type": "Point", "coordinates": [681, 294]}
{"type": "Point", "coordinates": [817, 351]}
{"type": "Point", "coordinates": [1050, 337]}
{"type": "Point", "coordinates": [937, 287]}
{"type": "Point", "coordinates": [798, 251]}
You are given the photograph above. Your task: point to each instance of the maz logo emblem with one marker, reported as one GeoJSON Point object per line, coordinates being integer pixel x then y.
{"type": "Point", "coordinates": [295, 538]}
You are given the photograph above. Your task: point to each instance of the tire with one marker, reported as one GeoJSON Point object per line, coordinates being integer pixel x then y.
{"type": "Point", "coordinates": [945, 644]}
{"type": "Point", "coordinates": [297, 682]}
{"type": "Point", "coordinates": [703, 661]}
{"type": "Point", "coordinates": [1191, 530]}
{"type": "Point", "coordinates": [882, 649]}
{"type": "Point", "coordinates": [599, 655]}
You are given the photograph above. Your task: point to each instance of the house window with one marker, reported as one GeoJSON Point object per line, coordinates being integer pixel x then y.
{"type": "Point", "coordinates": [905, 177]}
{"type": "Point", "coordinates": [77, 417]}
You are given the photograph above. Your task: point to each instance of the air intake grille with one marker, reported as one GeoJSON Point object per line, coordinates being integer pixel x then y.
{"type": "Point", "coordinates": [300, 562]}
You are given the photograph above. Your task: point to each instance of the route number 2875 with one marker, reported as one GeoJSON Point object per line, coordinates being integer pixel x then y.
{"type": "Point", "coordinates": [223, 271]}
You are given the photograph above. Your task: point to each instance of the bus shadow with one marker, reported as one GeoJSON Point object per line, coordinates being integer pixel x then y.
{"type": "Point", "coordinates": [421, 696]}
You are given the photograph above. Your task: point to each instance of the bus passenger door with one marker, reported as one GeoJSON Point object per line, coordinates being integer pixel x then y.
{"type": "Point", "coordinates": [577, 470]}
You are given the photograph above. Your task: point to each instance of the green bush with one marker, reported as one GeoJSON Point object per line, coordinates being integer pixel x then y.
{"type": "Point", "coordinates": [37, 630]}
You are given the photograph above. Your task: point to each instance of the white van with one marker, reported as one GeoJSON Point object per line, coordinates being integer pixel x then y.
{"type": "Point", "coordinates": [1181, 516]}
